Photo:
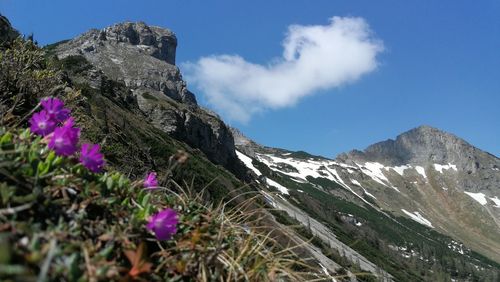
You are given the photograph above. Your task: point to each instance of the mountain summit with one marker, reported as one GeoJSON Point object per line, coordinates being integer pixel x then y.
{"type": "Point", "coordinates": [423, 145]}
{"type": "Point", "coordinates": [143, 58]}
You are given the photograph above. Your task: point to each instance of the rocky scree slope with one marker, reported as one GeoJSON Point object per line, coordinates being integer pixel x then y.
{"type": "Point", "coordinates": [143, 58]}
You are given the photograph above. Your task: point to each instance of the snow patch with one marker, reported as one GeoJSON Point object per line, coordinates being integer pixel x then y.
{"type": "Point", "coordinates": [374, 170]}
{"type": "Point", "coordinates": [421, 171]}
{"type": "Point", "coordinates": [479, 197]}
{"type": "Point", "coordinates": [418, 218]}
{"type": "Point", "coordinates": [369, 194]}
{"type": "Point", "coordinates": [355, 182]}
{"type": "Point", "coordinates": [248, 162]}
{"type": "Point", "coordinates": [440, 168]}
{"type": "Point", "coordinates": [278, 186]}
{"type": "Point", "coordinates": [496, 201]}
{"type": "Point", "coordinates": [364, 190]}
{"type": "Point", "coordinates": [304, 168]}
{"type": "Point", "coordinates": [399, 169]}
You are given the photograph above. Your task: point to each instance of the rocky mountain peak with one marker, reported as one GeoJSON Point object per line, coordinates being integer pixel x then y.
{"type": "Point", "coordinates": [143, 58]}
{"type": "Point", "coordinates": [162, 41]}
{"type": "Point", "coordinates": [421, 146]}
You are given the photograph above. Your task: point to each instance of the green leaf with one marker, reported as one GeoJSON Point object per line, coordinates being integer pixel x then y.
{"type": "Point", "coordinates": [145, 200]}
{"type": "Point", "coordinates": [122, 181]}
{"type": "Point", "coordinates": [106, 251]}
{"type": "Point", "coordinates": [73, 266]}
{"type": "Point", "coordinates": [109, 183]}
{"type": "Point", "coordinates": [125, 202]}
{"type": "Point", "coordinates": [6, 138]}
{"type": "Point", "coordinates": [50, 157]}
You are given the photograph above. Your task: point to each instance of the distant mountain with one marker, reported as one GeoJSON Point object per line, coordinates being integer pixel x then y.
{"type": "Point", "coordinates": [427, 175]}
{"type": "Point", "coordinates": [451, 183]}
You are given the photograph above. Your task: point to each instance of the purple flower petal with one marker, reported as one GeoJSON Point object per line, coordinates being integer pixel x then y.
{"type": "Point", "coordinates": [164, 224]}
{"type": "Point", "coordinates": [65, 139]}
{"type": "Point", "coordinates": [55, 109]}
{"type": "Point", "coordinates": [150, 180]}
{"type": "Point", "coordinates": [42, 124]}
{"type": "Point", "coordinates": [91, 158]}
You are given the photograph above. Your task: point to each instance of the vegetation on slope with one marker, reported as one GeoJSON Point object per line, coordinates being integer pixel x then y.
{"type": "Point", "coordinates": [406, 249]}
{"type": "Point", "coordinates": [61, 222]}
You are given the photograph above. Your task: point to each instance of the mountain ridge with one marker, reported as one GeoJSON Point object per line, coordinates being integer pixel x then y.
{"type": "Point", "coordinates": [143, 58]}
{"type": "Point", "coordinates": [428, 175]}
{"type": "Point", "coordinates": [409, 146]}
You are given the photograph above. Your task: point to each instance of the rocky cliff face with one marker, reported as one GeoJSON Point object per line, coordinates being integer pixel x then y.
{"type": "Point", "coordinates": [7, 33]}
{"type": "Point", "coordinates": [143, 57]}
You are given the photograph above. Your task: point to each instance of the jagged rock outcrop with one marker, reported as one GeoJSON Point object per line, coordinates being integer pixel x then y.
{"type": "Point", "coordinates": [7, 33]}
{"type": "Point", "coordinates": [245, 144]}
{"type": "Point", "coordinates": [143, 58]}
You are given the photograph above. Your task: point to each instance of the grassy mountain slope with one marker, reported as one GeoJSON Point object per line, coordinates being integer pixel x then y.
{"type": "Point", "coordinates": [406, 249]}
{"type": "Point", "coordinates": [60, 222]}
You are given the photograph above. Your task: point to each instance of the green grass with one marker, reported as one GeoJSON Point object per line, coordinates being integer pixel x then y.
{"type": "Point", "coordinates": [59, 222]}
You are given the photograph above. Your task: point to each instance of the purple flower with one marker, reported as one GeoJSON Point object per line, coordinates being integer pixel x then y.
{"type": "Point", "coordinates": [163, 224]}
{"type": "Point", "coordinates": [91, 158]}
{"type": "Point", "coordinates": [150, 180]}
{"type": "Point", "coordinates": [55, 109]}
{"type": "Point", "coordinates": [64, 140]}
{"type": "Point", "coordinates": [42, 124]}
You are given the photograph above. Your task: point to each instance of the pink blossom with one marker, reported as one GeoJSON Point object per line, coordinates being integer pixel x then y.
{"type": "Point", "coordinates": [42, 124]}
{"type": "Point", "coordinates": [91, 158]}
{"type": "Point", "coordinates": [150, 180]}
{"type": "Point", "coordinates": [55, 109]}
{"type": "Point", "coordinates": [65, 139]}
{"type": "Point", "coordinates": [164, 224]}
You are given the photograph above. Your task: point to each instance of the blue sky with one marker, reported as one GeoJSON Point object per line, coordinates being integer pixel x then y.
{"type": "Point", "coordinates": [440, 65]}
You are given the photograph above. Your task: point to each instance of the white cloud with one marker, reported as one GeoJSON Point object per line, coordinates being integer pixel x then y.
{"type": "Point", "coordinates": [315, 57]}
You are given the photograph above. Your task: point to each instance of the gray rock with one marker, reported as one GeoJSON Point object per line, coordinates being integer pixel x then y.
{"type": "Point", "coordinates": [143, 58]}
{"type": "Point", "coordinates": [7, 33]}
{"type": "Point", "coordinates": [425, 146]}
